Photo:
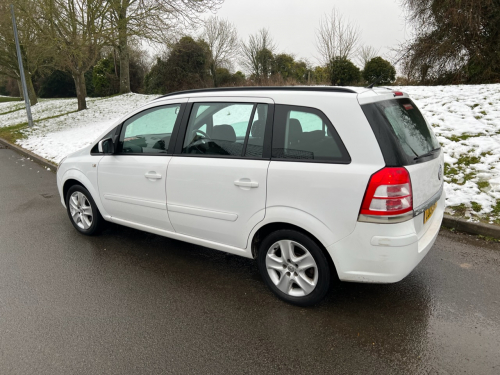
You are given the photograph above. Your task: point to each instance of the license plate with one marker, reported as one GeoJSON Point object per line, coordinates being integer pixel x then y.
{"type": "Point", "coordinates": [428, 213]}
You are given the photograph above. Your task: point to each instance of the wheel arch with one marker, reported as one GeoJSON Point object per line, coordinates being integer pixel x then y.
{"type": "Point", "coordinates": [75, 177]}
{"type": "Point", "coordinates": [268, 228]}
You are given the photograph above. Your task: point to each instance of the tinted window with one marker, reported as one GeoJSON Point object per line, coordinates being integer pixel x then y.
{"type": "Point", "coordinates": [225, 129]}
{"type": "Point", "coordinates": [149, 131]}
{"type": "Point", "coordinates": [255, 143]}
{"type": "Point", "coordinates": [306, 134]}
{"type": "Point", "coordinates": [410, 127]}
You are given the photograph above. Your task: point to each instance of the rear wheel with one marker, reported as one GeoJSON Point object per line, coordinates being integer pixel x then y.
{"type": "Point", "coordinates": [294, 267]}
{"type": "Point", "coordinates": [83, 212]}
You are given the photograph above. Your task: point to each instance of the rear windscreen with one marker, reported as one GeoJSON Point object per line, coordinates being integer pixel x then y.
{"type": "Point", "coordinates": [407, 123]}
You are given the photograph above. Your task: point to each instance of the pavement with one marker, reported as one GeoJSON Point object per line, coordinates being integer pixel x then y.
{"type": "Point", "coordinates": [129, 302]}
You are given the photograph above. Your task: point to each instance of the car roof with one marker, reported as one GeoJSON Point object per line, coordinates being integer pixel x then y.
{"type": "Point", "coordinates": [333, 89]}
{"type": "Point", "coordinates": [363, 94]}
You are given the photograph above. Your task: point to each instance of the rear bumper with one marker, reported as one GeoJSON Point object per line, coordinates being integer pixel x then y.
{"type": "Point", "coordinates": [385, 253]}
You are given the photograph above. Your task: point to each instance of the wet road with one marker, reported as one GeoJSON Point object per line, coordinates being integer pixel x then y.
{"type": "Point", "coordinates": [129, 302]}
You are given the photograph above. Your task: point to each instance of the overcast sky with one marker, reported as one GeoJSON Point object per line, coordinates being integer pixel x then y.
{"type": "Point", "coordinates": [293, 23]}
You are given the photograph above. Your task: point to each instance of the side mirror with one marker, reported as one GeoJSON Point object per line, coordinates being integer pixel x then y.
{"type": "Point", "coordinates": [106, 146]}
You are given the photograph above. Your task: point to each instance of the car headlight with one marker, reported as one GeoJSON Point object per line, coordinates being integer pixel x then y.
{"type": "Point", "coordinates": [62, 160]}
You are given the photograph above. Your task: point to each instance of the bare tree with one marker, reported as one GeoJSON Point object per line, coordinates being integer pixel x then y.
{"type": "Point", "coordinates": [365, 54]}
{"type": "Point", "coordinates": [222, 38]}
{"type": "Point", "coordinates": [34, 52]}
{"type": "Point", "coordinates": [336, 38]}
{"type": "Point", "coordinates": [154, 20]}
{"type": "Point", "coordinates": [257, 54]}
{"type": "Point", "coordinates": [77, 30]}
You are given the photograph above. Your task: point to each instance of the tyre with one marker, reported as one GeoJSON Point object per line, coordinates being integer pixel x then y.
{"type": "Point", "coordinates": [83, 212]}
{"type": "Point", "coordinates": [294, 267]}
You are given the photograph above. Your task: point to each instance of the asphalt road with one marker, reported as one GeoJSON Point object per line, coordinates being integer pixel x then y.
{"type": "Point", "coordinates": [128, 302]}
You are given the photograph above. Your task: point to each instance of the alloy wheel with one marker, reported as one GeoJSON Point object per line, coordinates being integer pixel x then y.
{"type": "Point", "coordinates": [292, 268]}
{"type": "Point", "coordinates": [80, 210]}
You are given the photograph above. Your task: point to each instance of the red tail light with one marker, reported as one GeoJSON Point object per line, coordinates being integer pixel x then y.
{"type": "Point", "coordinates": [398, 93]}
{"type": "Point", "coordinates": [388, 193]}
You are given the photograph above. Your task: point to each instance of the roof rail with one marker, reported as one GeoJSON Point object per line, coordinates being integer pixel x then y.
{"type": "Point", "coordinates": [264, 88]}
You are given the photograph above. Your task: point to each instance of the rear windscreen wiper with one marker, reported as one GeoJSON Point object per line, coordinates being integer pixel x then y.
{"type": "Point", "coordinates": [427, 154]}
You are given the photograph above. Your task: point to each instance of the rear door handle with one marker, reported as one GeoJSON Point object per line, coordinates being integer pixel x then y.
{"type": "Point", "coordinates": [152, 175]}
{"type": "Point", "coordinates": [245, 182]}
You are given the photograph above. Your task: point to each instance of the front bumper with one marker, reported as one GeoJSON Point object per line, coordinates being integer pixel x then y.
{"type": "Point", "coordinates": [60, 188]}
{"type": "Point", "coordinates": [386, 253]}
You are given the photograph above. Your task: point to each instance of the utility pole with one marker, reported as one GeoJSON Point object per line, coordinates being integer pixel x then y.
{"type": "Point", "coordinates": [21, 69]}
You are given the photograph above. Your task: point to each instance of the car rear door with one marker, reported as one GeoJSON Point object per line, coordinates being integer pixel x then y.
{"type": "Point", "coordinates": [216, 185]}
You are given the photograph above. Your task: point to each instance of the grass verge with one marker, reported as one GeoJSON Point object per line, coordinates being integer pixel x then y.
{"type": "Point", "coordinates": [13, 110]}
{"type": "Point", "coordinates": [9, 99]}
{"type": "Point", "coordinates": [13, 133]}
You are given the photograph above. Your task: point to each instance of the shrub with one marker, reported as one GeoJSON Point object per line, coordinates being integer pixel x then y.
{"type": "Point", "coordinates": [104, 79]}
{"type": "Point", "coordinates": [378, 67]}
{"type": "Point", "coordinates": [343, 72]}
{"type": "Point", "coordinates": [58, 84]}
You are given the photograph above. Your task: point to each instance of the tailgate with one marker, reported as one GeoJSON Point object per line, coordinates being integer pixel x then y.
{"type": "Point", "coordinates": [426, 179]}
{"type": "Point", "coordinates": [406, 140]}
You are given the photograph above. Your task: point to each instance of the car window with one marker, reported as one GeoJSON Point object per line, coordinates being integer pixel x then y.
{"type": "Point", "coordinates": [255, 143]}
{"type": "Point", "coordinates": [305, 134]}
{"type": "Point", "coordinates": [225, 129]}
{"type": "Point", "coordinates": [409, 125]}
{"type": "Point", "coordinates": [149, 131]}
{"type": "Point", "coordinates": [111, 133]}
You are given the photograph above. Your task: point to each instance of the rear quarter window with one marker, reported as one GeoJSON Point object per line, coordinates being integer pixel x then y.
{"type": "Point", "coordinates": [306, 134]}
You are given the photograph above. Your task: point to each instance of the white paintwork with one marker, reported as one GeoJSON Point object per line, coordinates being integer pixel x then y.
{"type": "Point", "coordinates": [356, 259]}
{"type": "Point", "coordinates": [221, 203]}
{"type": "Point", "coordinates": [137, 201]}
{"type": "Point", "coordinates": [182, 237]}
{"type": "Point", "coordinates": [424, 179]}
{"type": "Point", "coordinates": [82, 168]}
{"type": "Point", "coordinates": [132, 188]}
{"type": "Point", "coordinates": [202, 212]}
{"type": "Point", "coordinates": [202, 189]}
{"type": "Point", "coordinates": [246, 183]}
{"type": "Point", "coordinates": [394, 241]}
{"type": "Point", "coordinates": [331, 193]}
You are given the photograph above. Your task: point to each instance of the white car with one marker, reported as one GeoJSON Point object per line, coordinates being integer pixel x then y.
{"type": "Point", "coordinates": [316, 183]}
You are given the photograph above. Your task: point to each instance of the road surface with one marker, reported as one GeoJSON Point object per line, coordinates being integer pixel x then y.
{"type": "Point", "coordinates": [129, 302]}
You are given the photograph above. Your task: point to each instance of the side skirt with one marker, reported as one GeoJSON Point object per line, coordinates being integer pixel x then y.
{"type": "Point", "coordinates": [182, 237]}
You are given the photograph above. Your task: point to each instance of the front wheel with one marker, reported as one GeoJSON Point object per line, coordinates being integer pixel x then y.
{"type": "Point", "coordinates": [294, 267]}
{"type": "Point", "coordinates": [83, 212]}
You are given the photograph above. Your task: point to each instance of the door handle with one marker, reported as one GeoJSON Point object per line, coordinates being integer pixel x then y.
{"type": "Point", "coordinates": [245, 182]}
{"type": "Point", "coordinates": [153, 175]}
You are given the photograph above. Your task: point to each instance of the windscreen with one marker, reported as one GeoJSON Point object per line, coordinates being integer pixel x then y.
{"type": "Point", "coordinates": [410, 127]}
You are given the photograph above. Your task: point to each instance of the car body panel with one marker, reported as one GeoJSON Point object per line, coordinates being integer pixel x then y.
{"type": "Point", "coordinates": [357, 259]}
{"type": "Point", "coordinates": [204, 201]}
{"type": "Point", "coordinates": [128, 194]}
{"type": "Point", "coordinates": [426, 179]}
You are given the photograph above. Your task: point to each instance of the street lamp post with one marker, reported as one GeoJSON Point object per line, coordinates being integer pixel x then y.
{"type": "Point", "coordinates": [21, 69]}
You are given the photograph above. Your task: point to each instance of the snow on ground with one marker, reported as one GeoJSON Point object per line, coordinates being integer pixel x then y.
{"type": "Point", "coordinates": [10, 106]}
{"type": "Point", "coordinates": [466, 120]}
{"type": "Point", "coordinates": [45, 108]}
{"type": "Point", "coordinates": [57, 137]}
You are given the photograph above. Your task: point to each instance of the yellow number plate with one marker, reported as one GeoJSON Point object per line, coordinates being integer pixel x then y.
{"type": "Point", "coordinates": [428, 213]}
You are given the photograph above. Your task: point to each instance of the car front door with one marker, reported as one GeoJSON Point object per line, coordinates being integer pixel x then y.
{"type": "Point", "coordinates": [132, 181]}
{"type": "Point", "coordinates": [216, 186]}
